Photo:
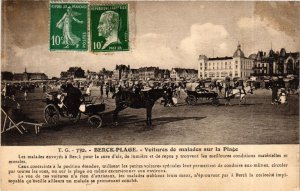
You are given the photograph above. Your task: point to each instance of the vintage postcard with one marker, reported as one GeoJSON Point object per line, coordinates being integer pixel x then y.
{"type": "Point", "coordinates": [150, 95]}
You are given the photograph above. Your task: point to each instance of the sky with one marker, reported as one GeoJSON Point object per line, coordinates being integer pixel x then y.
{"type": "Point", "coordinates": [164, 34]}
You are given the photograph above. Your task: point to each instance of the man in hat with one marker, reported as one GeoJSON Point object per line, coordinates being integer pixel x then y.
{"type": "Point", "coordinates": [72, 99]}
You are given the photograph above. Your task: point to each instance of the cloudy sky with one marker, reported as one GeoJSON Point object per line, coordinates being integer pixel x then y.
{"type": "Point", "coordinates": [164, 34]}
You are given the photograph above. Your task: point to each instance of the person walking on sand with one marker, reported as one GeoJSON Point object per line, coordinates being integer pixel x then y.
{"type": "Point", "coordinates": [107, 89]}
{"type": "Point", "coordinates": [101, 90]}
{"type": "Point", "coordinates": [274, 92]}
{"type": "Point", "coordinates": [25, 95]}
{"type": "Point", "coordinates": [88, 89]}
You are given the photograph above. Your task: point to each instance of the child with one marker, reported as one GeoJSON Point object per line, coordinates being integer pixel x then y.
{"type": "Point", "coordinates": [282, 96]}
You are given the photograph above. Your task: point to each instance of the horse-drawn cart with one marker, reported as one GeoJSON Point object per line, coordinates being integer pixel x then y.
{"type": "Point", "coordinates": [195, 93]}
{"type": "Point", "coordinates": [56, 109]}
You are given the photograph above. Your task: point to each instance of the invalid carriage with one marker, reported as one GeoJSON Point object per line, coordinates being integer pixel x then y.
{"type": "Point", "coordinates": [195, 92]}
{"type": "Point", "coordinates": [55, 109]}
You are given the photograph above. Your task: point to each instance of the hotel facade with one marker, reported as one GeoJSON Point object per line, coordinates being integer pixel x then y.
{"type": "Point", "coordinates": [220, 67]}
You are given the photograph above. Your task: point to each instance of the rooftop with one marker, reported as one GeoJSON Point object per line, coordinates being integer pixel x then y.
{"type": "Point", "coordinates": [221, 58]}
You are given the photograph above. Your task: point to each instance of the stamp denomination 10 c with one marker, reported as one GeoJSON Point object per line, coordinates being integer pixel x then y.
{"type": "Point", "coordinates": [109, 27]}
{"type": "Point", "coordinates": [68, 26]}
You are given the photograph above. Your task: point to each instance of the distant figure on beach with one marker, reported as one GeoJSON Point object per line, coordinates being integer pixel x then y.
{"type": "Point", "coordinates": [25, 95]}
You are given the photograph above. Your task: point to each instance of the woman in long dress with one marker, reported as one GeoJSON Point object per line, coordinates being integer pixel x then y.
{"type": "Point", "coordinates": [65, 23]}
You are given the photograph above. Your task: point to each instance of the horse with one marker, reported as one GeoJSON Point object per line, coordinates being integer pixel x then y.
{"type": "Point", "coordinates": [235, 92]}
{"type": "Point", "coordinates": [137, 100]}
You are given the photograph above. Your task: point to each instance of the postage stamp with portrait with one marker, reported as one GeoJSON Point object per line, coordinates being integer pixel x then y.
{"type": "Point", "coordinates": [68, 26]}
{"type": "Point", "coordinates": [109, 27]}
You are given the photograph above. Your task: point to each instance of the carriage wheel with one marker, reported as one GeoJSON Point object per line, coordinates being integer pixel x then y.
{"type": "Point", "coordinates": [95, 121]}
{"type": "Point", "coordinates": [215, 102]}
{"type": "Point", "coordinates": [51, 114]}
{"type": "Point", "coordinates": [76, 118]}
{"type": "Point", "coordinates": [242, 101]}
{"type": "Point", "coordinates": [187, 100]}
{"type": "Point", "coordinates": [192, 100]}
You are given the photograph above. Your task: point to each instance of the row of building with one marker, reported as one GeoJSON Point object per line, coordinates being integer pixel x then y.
{"type": "Point", "coordinates": [153, 73]}
{"type": "Point", "coordinates": [124, 72]}
{"type": "Point", "coordinates": [260, 64]}
{"type": "Point", "coordinates": [278, 63]}
{"type": "Point", "coordinates": [25, 76]}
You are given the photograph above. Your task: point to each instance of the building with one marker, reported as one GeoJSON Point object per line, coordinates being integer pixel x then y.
{"type": "Point", "coordinates": [37, 76]}
{"type": "Point", "coordinates": [121, 72]}
{"type": "Point", "coordinates": [19, 77]}
{"type": "Point", "coordinates": [26, 76]}
{"type": "Point", "coordinates": [183, 73]}
{"type": "Point", "coordinates": [148, 73]}
{"type": "Point", "coordinates": [178, 73]}
{"type": "Point", "coordinates": [276, 63]}
{"type": "Point", "coordinates": [133, 74]}
{"type": "Point", "coordinates": [163, 74]}
{"type": "Point", "coordinates": [219, 67]}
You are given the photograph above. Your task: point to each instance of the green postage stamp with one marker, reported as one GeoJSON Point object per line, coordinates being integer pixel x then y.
{"type": "Point", "coordinates": [109, 27]}
{"type": "Point", "coordinates": [68, 26]}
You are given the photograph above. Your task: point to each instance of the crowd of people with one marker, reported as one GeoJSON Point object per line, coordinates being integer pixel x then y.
{"type": "Point", "coordinates": [173, 89]}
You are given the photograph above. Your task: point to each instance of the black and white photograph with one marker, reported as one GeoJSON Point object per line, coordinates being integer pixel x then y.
{"type": "Point", "coordinates": [196, 73]}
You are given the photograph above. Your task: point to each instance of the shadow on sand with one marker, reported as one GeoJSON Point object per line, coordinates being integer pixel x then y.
{"type": "Point", "coordinates": [138, 121]}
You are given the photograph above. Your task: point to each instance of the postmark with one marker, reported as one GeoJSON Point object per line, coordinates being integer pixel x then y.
{"type": "Point", "coordinates": [109, 28]}
{"type": "Point", "coordinates": [68, 26]}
